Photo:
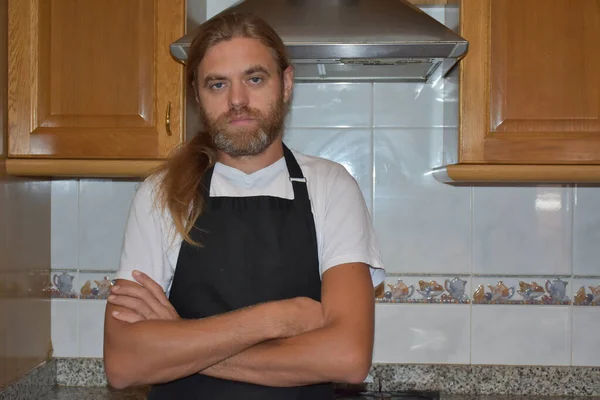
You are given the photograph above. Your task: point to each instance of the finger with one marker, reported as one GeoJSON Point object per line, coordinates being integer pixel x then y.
{"type": "Point", "coordinates": [151, 307]}
{"type": "Point", "coordinates": [127, 316]}
{"type": "Point", "coordinates": [133, 304]}
{"type": "Point", "coordinates": [141, 293]}
{"type": "Point", "coordinates": [152, 286]}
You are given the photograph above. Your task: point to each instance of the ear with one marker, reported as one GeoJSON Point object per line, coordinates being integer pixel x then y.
{"type": "Point", "coordinates": [288, 83]}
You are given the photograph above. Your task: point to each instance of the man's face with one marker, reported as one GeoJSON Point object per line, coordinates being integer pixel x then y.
{"type": "Point", "coordinates": [241, 96]}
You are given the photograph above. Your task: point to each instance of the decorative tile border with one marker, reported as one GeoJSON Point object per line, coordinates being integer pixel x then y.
{"type": "Point", "coordinates": [490, 290]}
{"type": "Point", "coordinates": [520, 291]}
{"type": "Point", "coordinates": [95, 285]}
{"type": "Point", "coordinates": [457, 289]}
{"type": "Point", "coordinates": [34, 385]}
{"type": "Point", "coordinates": [586, 292]}
{"type": "Point", "coordinates": [424, 290]}
{"type": "Point", "coordinates": [63, 284]}
{"type": "Point", "coordinates": [80, 284]}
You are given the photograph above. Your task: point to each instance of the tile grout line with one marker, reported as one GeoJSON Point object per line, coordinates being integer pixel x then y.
{"type": "Point", "coordinates": [572, 306]}
{"type": "Point", "coordinates": [373, 170]}
{"type": "Point", "coordinates": [471, 213]}
{"type": "Point", "coordinates": [77, 240]}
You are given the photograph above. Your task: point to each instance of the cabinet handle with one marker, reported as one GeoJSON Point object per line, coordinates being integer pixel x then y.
{"type": "Point", "coordinates": [168, 119]}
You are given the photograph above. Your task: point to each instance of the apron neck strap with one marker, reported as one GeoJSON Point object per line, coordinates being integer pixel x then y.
{"type": "Point", "coordinates": [296, 177]}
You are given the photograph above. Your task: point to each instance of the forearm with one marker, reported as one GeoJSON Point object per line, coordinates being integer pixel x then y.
{"type": "Point", "coordinates": [328, 354]}
{"type": "Point", "coordinates": [150, 352]}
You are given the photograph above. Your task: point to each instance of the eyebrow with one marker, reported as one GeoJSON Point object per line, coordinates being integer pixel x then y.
{"type": "Point", "coordinates": [256, 68]}
{"type": "Point", "coordinates": [249, 71]}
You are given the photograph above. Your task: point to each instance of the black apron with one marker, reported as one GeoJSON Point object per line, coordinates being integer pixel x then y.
{"type": "Point", "coordinates": [256, 249]}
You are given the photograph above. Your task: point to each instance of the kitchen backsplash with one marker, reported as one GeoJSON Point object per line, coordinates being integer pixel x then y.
{"type": "Point", "coordinates": [476, 275]}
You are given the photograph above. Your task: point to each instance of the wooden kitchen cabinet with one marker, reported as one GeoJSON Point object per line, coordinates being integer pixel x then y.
{"type": "Point", "coordinates": [433, 2]}
{"type": "Point", "coordinates": [93, 89]}
{"type": "Point", "coordinates": [529, 91]}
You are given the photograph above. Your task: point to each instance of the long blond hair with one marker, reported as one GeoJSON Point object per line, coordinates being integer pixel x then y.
{"type": "Point", "coordinates": [179, 188]}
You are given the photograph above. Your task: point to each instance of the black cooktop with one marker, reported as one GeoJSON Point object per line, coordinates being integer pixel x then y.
{"type": "Point", "coordinates": [408, 395]}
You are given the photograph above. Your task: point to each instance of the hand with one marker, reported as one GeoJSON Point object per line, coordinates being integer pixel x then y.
{"type": "Point", "coordinates": [301, 315]}
{"type": "Point", "coordinates": [145, 301]}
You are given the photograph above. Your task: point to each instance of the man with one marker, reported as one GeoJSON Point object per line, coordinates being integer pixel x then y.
{"type": "Point", "coordinates": [267, 255]}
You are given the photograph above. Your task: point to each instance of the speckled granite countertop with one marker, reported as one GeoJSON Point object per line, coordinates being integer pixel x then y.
{"type": "Point", "coordinates": [455, 379]}
{"type": "Point", "coordinates": [85, 379]}
{"type": "Point", "coordinates": [77, 393]}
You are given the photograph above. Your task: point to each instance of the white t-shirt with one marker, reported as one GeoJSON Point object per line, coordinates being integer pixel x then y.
{"type": "Point", "coordinates": [342, 221]}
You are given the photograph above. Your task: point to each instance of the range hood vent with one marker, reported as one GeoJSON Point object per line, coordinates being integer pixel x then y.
{"type": "Point", "coordinates": [354, 40]}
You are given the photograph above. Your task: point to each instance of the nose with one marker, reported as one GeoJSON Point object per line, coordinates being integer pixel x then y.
{"type": "Point", "coordinates": [238, 95]}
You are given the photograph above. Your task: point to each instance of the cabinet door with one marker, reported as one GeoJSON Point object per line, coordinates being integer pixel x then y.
{"type": "Point", "coordinates": [94, 78]}
{"type": "Point", "coordinates": [530, 83]}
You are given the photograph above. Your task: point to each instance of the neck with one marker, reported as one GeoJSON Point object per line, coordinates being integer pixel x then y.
{"type": "Point", "coordinates": [250, 164]}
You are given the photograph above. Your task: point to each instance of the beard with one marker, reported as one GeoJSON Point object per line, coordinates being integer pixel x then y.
{"type": "Point", "coordinates": [246, 140]}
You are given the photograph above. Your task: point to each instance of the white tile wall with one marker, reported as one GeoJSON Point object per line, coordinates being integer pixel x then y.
{"type": "Point", "coordinates": [88, 223]}
{"type": "Point", "coordinates": [520, 335]}
{"type": "Point", "coordinates": [91, 327]}
{"type": "Point", "coordinates": [389, 136]}
{"type": "Point", "coordinates": [78, 327]}
{"type": "Point", "coordinates": [409, 105]}
{"type": "Point", "coordinates": [586, 325]}
{"type": "Point", "coordinates": [422, 333]}
{"type": "Point", "coordinates": [65, 327]}
{"type": "Point", "coordinates": [422, 225]}
{"type": "Point", "coordinates": [335, 105]}
{"type": "Point", "coordinates": [586, 232]}
{"type": "Point", "coordinates": [350, 147]}
{"type": "Point", "coordinates": [65, 228]}
{"type": "Point", "coordinates": [214, 7]}
{"type": "Point", "coordinates": [103, 209]}
{"type": "Point", "coordinates": [522, 230]}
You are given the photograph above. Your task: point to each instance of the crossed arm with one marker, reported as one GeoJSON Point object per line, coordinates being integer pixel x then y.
{"type": "Point", "coordinates": [284, 343]}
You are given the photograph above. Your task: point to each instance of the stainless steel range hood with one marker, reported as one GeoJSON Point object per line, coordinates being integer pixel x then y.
{"type": "Point", "coordinates": [355, 40]}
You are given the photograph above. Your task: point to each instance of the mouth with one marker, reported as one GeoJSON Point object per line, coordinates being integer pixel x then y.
{"type": "Point", "coordinates": [241, 120]}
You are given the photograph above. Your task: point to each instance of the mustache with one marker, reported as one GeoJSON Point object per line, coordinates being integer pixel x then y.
{"type": "Point", "coordinates": [243, 111]}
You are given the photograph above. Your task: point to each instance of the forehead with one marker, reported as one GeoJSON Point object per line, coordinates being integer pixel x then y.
{"type": "Point", "coordinates": [233, 57]}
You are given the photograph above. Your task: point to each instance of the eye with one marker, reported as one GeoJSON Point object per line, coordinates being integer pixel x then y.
{"type": "Point", "coordinates": [217, 86]}
{"type": "Point", "coordinates": [256, 79]}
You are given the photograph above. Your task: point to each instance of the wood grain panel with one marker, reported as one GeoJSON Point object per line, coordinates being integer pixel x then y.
{"type": "Point", "coordinates": [544, 66]}
{"type": "Point", "coordinates": [434, 2]}
{"type": "Point", "coordinates": [475, 17]}
{"type": "Point", "coordinates": [81, 168]}
{"type": "Point", "coordinates": [100, 71]}
{"type": "Point", "coordinates": [530, 88]}
{"type": "Point", "coordinates": [21, 72]}
{"type": "Point", "coordinates": [101, 63]}
{"type": "Point", "coordinates": [108, 143]}
{"type": "Point", "coordinates": [170, 81]}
